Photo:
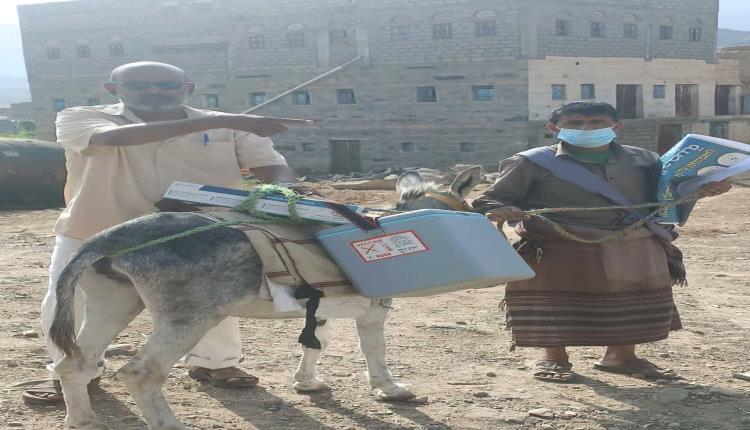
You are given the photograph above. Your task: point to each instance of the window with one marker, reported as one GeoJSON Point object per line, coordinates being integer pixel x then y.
{"type": "Point", "coordinates": [300, 98]}
{"type": "Point", "coordinates": [308, 147]}
{"type": "Point", "coordinates": [442, 31]}
{"type": "Point", "coordinates": [558, 92]}
{"type": "Point", "coordinates": [53, 53]}
{"type": "Point", "coordinates": [588, 91]}
{"type": "Point", "coordinates": [597, 29]}
{"type": "Point", "coordinates": [296, 39]}
{"type": "Point", "coordinates": [116, 49]}
{"type": "Point", "coordinates": [83, 51]}
{"type": "Point", "coordinates": [426, 94]}
{"type": "Point", "coordinates": [695, 34]}
{"type": "Point", "coordinates": [408, 147]}
{"type": "Point", "coordinates": [468, 147]}
{"type": "Point", "coordinates": [345, 96]}
{"type": "Point", "coordinates": [257, 98]}
{"type": "Point", "coordinates": [719, 129]}
{"type": "Point", "coordinates": [92, 101]}
{"type": "Point", "coordinates": [400, 32]}
{"type": "Point", "coordinates": [58, 104]}
{"type": "Point", "coordinates": [660, 91]}
{"type": "Point", "coordinates": [212, 100]}
{"type": "Point", "coordinates": [629, 101]}
{"type": "Point", "coordinates": [338, 37]}
{"type": "Point", "coordinates": [486, 28]}
{"type": "Point", "coordinates": [630, 31]}
{"type": "Point", "coordinates": [256, 41]}
{"type": "Point", "coordinates": [483, 93]}
{"type": "Point", "coordinates": [665, 32]}
{"type": "Point", "coordinates": [562, 27]}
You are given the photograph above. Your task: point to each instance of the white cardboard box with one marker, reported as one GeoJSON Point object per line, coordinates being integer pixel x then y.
{"type": "Point", "coordinates": [275, 205]}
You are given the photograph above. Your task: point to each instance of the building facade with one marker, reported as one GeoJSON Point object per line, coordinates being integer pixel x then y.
{"type": "Point", "coordinates": [436, 82]}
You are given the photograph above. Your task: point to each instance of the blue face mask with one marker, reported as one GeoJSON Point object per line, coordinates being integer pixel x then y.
{"type": "Point", "coordinates": [587, 138]}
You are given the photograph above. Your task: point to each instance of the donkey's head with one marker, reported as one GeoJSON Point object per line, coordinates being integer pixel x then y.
{"type": "Point", "coordinates": [416, 193]}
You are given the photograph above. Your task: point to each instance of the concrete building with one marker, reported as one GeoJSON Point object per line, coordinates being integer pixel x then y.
{"type": "Point", "coordinates": [437, 82]}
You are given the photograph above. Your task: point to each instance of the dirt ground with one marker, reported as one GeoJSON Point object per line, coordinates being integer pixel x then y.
{"type": "Point", "coordinates": [451, 349]}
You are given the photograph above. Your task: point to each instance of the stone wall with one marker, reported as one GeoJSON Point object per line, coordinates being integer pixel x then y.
{"type": "Point", "coordinates": [233, 48]}
{"type": "Point", "coordinates": [646, 15]}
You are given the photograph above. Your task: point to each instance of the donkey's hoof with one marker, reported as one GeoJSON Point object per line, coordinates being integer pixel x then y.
{"type": "Point", "coordinates": [88, 425]}
{"type": "Point", "coordinates": [314, 384]}
{"type": "Point", "coordinates": [394, 393]}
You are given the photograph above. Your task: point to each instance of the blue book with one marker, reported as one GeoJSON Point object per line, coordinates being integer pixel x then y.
{"type": "Point", "coordinates": [693, 157]}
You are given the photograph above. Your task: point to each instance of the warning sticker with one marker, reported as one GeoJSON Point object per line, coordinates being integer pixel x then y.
{"type": "Point", "coordinates": [389, 246]}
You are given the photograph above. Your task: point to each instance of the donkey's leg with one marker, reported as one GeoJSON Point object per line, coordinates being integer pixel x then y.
{"type": "Point", "coordinates": [372, 344]}
{"type": "Point", "coordinates": [174, 335]}
{"type": "Point", "coordinates": [110, 306]}
{"type": "Point", "coordinates": [305, 376]}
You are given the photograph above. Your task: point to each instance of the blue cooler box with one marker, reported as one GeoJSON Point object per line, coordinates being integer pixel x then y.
{"type": "Point", "coordinates": [424, 252]}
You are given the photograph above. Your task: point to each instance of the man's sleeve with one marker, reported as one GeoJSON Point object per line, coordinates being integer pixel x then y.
{"type": "Point", "coordinates": [255, 151]}
{"type": "Point", "coordinates": [516, 176]}
{"type": "Point", "coordinates": [74, 128]}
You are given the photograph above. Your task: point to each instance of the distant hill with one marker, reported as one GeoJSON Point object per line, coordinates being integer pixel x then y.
{"type": "Point", "coordinates": [13, 85]}
{"type": "Point", "coordinates": [733, 37]}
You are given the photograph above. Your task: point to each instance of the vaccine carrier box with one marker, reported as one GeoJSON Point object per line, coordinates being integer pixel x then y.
{"type": "Point", "coordinates": [424, 252]}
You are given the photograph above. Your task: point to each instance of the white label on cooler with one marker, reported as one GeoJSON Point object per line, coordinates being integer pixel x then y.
{"type": "Point", "coordinates": [389, 246]}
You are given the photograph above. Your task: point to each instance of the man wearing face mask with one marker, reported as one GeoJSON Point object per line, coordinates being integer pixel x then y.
{"type": "Point", "coordinates": [121, 159]}
{"type": "Point", "coordinates": [616, 294]}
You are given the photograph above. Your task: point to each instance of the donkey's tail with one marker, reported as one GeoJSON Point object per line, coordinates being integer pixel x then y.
{"type": "Point", "coordinates": [63, 330]}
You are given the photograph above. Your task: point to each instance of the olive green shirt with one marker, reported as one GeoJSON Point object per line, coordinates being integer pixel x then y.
{"type": "Point", "coordinates": [524, 184]}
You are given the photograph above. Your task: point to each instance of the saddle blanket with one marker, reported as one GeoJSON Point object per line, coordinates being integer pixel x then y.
{"type": "Point", "coordinates": [291, 258]}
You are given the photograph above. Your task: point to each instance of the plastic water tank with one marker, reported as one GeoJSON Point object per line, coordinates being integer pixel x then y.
{"type": "Point", "coordinates": [32, 174]}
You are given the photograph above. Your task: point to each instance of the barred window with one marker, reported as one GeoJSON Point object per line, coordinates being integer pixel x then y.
{"type": "Point", "coordinates": [558, 92]}
{"type": "Point", "coordinates": [426, 94]}
{"type": "Point", "coordinates": [442, 31]}
{"type": "Point", "coordinates": [256, 41]}
{"type": "Point", "coordinates": [597, 29]}
{"type": "Point", "coordinates": [630, 31]}
{"type": "Point", "coordinates": [696, 34]}
{"type": "Point", "coordinates": [116, 49]}
{"type": "Point", "coordinates": [665, 32]}
{"type": "Point", "coordinates": [53, 53]}
{"type": "Point", "coordinates": [486, 28]}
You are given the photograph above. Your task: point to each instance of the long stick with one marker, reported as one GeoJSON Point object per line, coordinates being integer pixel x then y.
{"type": "Point", "coordinates": [303, 85]}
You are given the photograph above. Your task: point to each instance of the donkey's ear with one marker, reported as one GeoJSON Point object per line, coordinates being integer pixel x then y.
{"type": "Point", "coordinates": [408, 181]}
{"type": "Point", "coordinates": [466, 181]}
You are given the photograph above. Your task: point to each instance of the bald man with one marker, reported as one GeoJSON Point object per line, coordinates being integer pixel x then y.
{"type": "Point", "coordinates": [121, 159]}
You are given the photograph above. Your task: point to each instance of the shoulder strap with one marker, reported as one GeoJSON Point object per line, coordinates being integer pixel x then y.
{"type": "Point", "coordinates": [576, 174]}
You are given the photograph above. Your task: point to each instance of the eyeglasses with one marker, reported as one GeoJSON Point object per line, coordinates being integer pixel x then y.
{"type": "Point", "coordinates": [144, 85]}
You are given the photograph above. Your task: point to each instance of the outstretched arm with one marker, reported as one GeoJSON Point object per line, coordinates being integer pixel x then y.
{"type": "Point", "coordinates": [139, 134]}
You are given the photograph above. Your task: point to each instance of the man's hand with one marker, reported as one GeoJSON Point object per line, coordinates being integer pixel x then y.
{"type": "Point", "coordinates": [261, 126]}
{"type": "Point", "coordinates": [508, 213]}
{"type": "Point", "coordinates": [714, 189]}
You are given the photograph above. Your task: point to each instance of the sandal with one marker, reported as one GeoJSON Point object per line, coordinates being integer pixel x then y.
{"type": "Point", "coordinates": [639, 368]}
{"type": "Point", "coordinates": [49, 392]}
{"type": "Point", "coordinates": [228, 377]}
{"type": "Point", "coordinates": [554, 371]}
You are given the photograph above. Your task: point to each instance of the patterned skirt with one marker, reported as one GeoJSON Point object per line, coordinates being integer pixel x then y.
{"type": "Point", "coordinates": [617, 293]}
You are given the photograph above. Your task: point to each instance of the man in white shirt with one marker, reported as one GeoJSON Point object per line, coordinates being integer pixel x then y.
{"type": "Point", "coordinates": [122, 158]}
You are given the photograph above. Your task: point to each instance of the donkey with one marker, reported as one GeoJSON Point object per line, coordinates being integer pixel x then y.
{"type": "Point", "coordinates": [191, 284]}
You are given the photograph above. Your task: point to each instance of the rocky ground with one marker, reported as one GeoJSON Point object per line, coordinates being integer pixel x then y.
{"type": "Point", "coordinates": [451, 349]}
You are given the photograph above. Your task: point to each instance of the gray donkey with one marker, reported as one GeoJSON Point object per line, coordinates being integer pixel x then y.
{"type": "Point", "coordinates": [189, 285]}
